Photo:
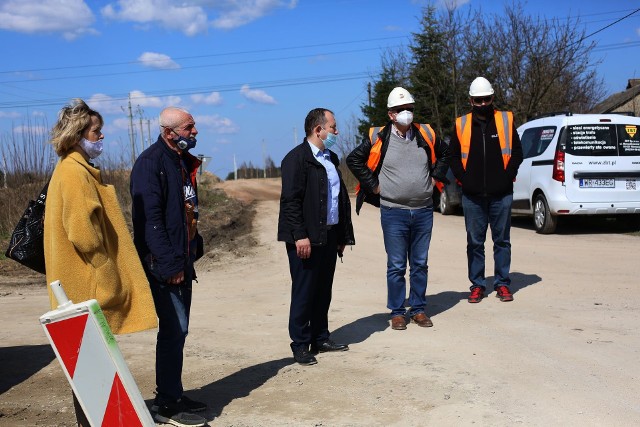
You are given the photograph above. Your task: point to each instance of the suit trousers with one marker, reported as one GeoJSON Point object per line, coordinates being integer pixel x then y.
{"type": "Point", "coordinates": [312, 280]}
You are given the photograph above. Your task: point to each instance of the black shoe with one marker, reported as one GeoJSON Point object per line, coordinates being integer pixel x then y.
{"type": "Point", "coordinates": [177, 414]}
{"type": "Point", "coordinates": [303, 357]}
{"type": "Point", "coordinates": [193, 405]}
{"type": "Point", "coordinates": [326, 346]}
{"type": "Point", "coordinates": [190, 405]}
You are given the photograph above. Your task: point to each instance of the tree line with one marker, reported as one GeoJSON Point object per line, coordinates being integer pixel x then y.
{"type": "Point", "coordinates": [536, 66]}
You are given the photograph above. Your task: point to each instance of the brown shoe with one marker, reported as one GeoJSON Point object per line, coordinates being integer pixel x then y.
{"type": "Point", "coordinates": [398, 323]}
{"type": "Point", "coordinates": [421, 319]}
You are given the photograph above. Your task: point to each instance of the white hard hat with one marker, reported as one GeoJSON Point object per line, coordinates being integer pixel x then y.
{"type": "Point", "coordinates": [480, 87]}
{"type": "Point", "coordinates": [399, 96]}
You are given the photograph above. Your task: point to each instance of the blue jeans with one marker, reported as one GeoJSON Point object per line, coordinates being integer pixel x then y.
{"type": "Point", "coordinates": [407, 235]}
{"type": "Point", "coordinates": [479, 213]}
{"type": "Point", "coordinates": [173, 304]}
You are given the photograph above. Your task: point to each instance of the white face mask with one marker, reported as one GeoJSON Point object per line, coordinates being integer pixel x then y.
{"type": "Point", "coordinates": [93, 149]}
{"type": "Point", "coordinates": [404, 118]}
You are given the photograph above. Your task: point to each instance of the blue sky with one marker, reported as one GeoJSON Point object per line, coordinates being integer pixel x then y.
{"type": "Point", "coordinates": [248, 70]}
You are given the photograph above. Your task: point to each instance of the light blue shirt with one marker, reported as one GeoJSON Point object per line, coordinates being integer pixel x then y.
{"type": "Point", "coordinates": [333, 185]}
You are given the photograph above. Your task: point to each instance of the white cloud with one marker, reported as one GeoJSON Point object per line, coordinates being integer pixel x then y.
{"type": "Point", "coordinates": [236, 13]}
{"type": "Point", "coordinates": [108, 105]}
{"type": "Point", "coordinates": [257, 95]}
{"type": "Point", "coordinates": [72, 18]}
{"type": "Point", "coordinates": [216, 124]}
{"type": "Point", "coordinates": [9, 115]}
{"type": "Point", "coordinates": [31, 130]}
{"type": "Point", "coordinates": [214, 98]}
{"type": "Point", "coordinates": [186, 16]}
{"type": "Point", "coordinates": [158, 60]}
{"type": "Point", "coordinates": [193, 16]}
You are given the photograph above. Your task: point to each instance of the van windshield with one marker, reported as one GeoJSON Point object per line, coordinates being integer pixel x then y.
{"type": "Point", "coordinates": [603, 140]}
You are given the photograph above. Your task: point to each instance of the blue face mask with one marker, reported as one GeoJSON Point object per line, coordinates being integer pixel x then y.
{"type": "Point", "coordinates": [331, 140]}
{"type": "Point", "coordinates": [185, 143]}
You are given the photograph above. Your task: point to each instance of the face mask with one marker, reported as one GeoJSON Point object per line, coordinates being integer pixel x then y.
{"type": "Point", "coordinates": [185, 143]}
{"type": "Point", "coordinates": [331, 140]}
{"type": "Point", "coordinates": [483, 110]}
{"type": "Point", "coordinates": [404, 118]}
{"type": "Point", "coordinates": [92, 149]}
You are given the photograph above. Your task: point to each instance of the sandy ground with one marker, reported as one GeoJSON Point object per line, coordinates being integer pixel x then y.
{"type": "Point", "coordinates": [564, 353]}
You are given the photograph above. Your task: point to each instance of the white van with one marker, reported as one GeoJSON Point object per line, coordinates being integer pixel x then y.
{"type": "Point", "coordinates": [578, 164]}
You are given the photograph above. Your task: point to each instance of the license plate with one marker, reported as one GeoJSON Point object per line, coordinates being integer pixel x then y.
{"type": "Point", "coordinates": [597, 183]}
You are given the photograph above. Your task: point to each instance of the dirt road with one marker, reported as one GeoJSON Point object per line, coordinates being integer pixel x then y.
{"type": "Point", "coordinates": [565, 352]}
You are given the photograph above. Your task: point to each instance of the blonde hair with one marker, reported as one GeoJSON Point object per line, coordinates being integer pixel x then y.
{"type": "Point", "coordinates": [73, 120]}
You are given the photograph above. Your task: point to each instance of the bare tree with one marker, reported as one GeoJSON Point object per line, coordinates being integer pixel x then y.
{"type": "Point", "coordinates": [536, 65]}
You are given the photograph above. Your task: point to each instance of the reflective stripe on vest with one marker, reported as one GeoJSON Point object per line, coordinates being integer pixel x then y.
{"type": "Point", "coordinates": [376, 148]}
{"type": "Point", "coordinates": [504, 126]}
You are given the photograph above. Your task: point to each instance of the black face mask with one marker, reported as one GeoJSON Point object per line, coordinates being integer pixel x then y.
{"type": "Point", "coordinates": [483, 110]}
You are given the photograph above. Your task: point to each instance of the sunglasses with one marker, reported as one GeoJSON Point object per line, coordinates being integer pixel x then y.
{"type": "Point", "coordinates": [482, 99]}
{"type": "Point", "coordinates": [398, 110]}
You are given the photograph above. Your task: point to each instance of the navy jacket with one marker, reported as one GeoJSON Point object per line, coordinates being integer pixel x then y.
{"type": "Point", "coordinates": [158, 211]}
{"type": "Point", "coordinates": [303, 201]}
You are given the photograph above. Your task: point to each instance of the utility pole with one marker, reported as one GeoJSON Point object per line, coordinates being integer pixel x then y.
{"type": "Point", "coordinates": [264, 160]}
{"type": "Point", "coordinates": [149, 132]}
{"type": "Point", "coordinates": [235, 169]}
{"type": "Point", "coordinates": [369, 92]}
{"type": "Point", "coordinates": [131, 139]}
{"type": "Point", "coordinates": [140, 111]}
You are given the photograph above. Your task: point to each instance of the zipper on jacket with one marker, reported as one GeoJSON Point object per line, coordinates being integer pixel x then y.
{"type": "Point", "coordinates": [483, 126]}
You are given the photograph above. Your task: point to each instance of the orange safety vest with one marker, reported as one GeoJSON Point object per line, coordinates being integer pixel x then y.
{"type": "Point", "coordinates": [376, 149]}
{"type": "Point", "coordinates": [504, 125]}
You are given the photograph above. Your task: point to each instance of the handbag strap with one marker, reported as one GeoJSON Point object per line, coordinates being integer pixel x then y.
{"type": "Point", "coordinates": [42, 198]}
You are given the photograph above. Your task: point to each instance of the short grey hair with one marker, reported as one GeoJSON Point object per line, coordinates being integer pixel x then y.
{"type": "Point", "coordinates": [171, 117]}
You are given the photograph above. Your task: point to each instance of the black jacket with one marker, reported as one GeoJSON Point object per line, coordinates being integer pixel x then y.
{"type": "Point", "coordinates": [357, 163]}
{"type": "Point", "coordinates": [303, 201]}
{"type": "Point", "coordinates": [485, 174]}
{"type": "Point", "coordinates": [158, 212]}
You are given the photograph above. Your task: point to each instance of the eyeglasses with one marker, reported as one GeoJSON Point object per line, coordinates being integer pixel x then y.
{"type": "Point", "coordinates": [398, 110]}
{"type": "Point", "coordinates": [479, 100]}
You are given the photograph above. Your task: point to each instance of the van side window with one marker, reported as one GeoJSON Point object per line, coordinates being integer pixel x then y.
{"type": "Point", "coordinates": [592, 140]}
{"type": "Point", "coordinates": [536, 140]}
{"type": "Point", "coordinates": [629, 140]}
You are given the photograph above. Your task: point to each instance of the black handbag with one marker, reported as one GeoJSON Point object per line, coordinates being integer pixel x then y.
{"type": "Point", "coordinates": [27, 240]}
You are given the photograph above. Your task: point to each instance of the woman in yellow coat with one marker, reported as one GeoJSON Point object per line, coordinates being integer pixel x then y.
{"type": "Point", "coordinates": [87, 245]}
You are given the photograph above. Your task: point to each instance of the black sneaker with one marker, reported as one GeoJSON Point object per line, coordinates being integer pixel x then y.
{"type": "Point", "coordinates": [191, 405]}
{"type": "Point", "coordinates": [303, 357]}
{"type": "Point", "coordinates": [178, 414]}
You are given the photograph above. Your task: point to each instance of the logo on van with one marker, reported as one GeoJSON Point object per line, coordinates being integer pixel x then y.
{"type": "Point", "coordinates": [631, 130]}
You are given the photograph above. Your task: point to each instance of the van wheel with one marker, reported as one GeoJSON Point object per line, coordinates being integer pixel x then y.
{"type": "Point", "coordinates": [445, 206]}
{"type": "Point", "coordinates": [544, 222]}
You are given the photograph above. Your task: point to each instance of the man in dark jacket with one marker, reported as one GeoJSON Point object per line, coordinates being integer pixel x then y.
{"type": "Point", "coordinates": [165, 216]}
{"type": "Point", "coordinates": [315, 224]}
{"type": "Point", "coordinates": [396, 167]}
{"type": "Point", "coordinates": [485, 156]}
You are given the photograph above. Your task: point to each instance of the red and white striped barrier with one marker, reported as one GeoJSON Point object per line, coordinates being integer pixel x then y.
{"type": "Point", "coordinates": [91, 360]}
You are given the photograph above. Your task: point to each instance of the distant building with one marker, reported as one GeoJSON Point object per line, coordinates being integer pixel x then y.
{"type": "Point", "coordinates": [627, 101]}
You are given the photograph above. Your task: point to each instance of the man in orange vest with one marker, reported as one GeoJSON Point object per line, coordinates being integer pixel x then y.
{"type": "Point", "coordinates": [396, 166]}
{"type": "Point", "coordinates": [485, 156]}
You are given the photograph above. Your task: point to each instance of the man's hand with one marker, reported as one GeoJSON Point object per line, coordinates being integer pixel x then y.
{"type": "Point", "coordinates": [303, 248]}
{"type": "Point", "coordinates": [376, 190]}
{"type": "Point", "coordinates": [176, 279]}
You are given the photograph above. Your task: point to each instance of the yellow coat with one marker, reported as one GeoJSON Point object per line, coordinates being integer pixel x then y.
{"type": "Point", "coordinates": [88, 247]}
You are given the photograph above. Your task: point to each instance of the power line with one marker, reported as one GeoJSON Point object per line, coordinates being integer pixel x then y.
{"type": "Point", "coordinates": [211, 55]}
{"type": "Point", "coordinates": [193, 91]}
{"type": "Point", "coordinates": [67, 77]}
